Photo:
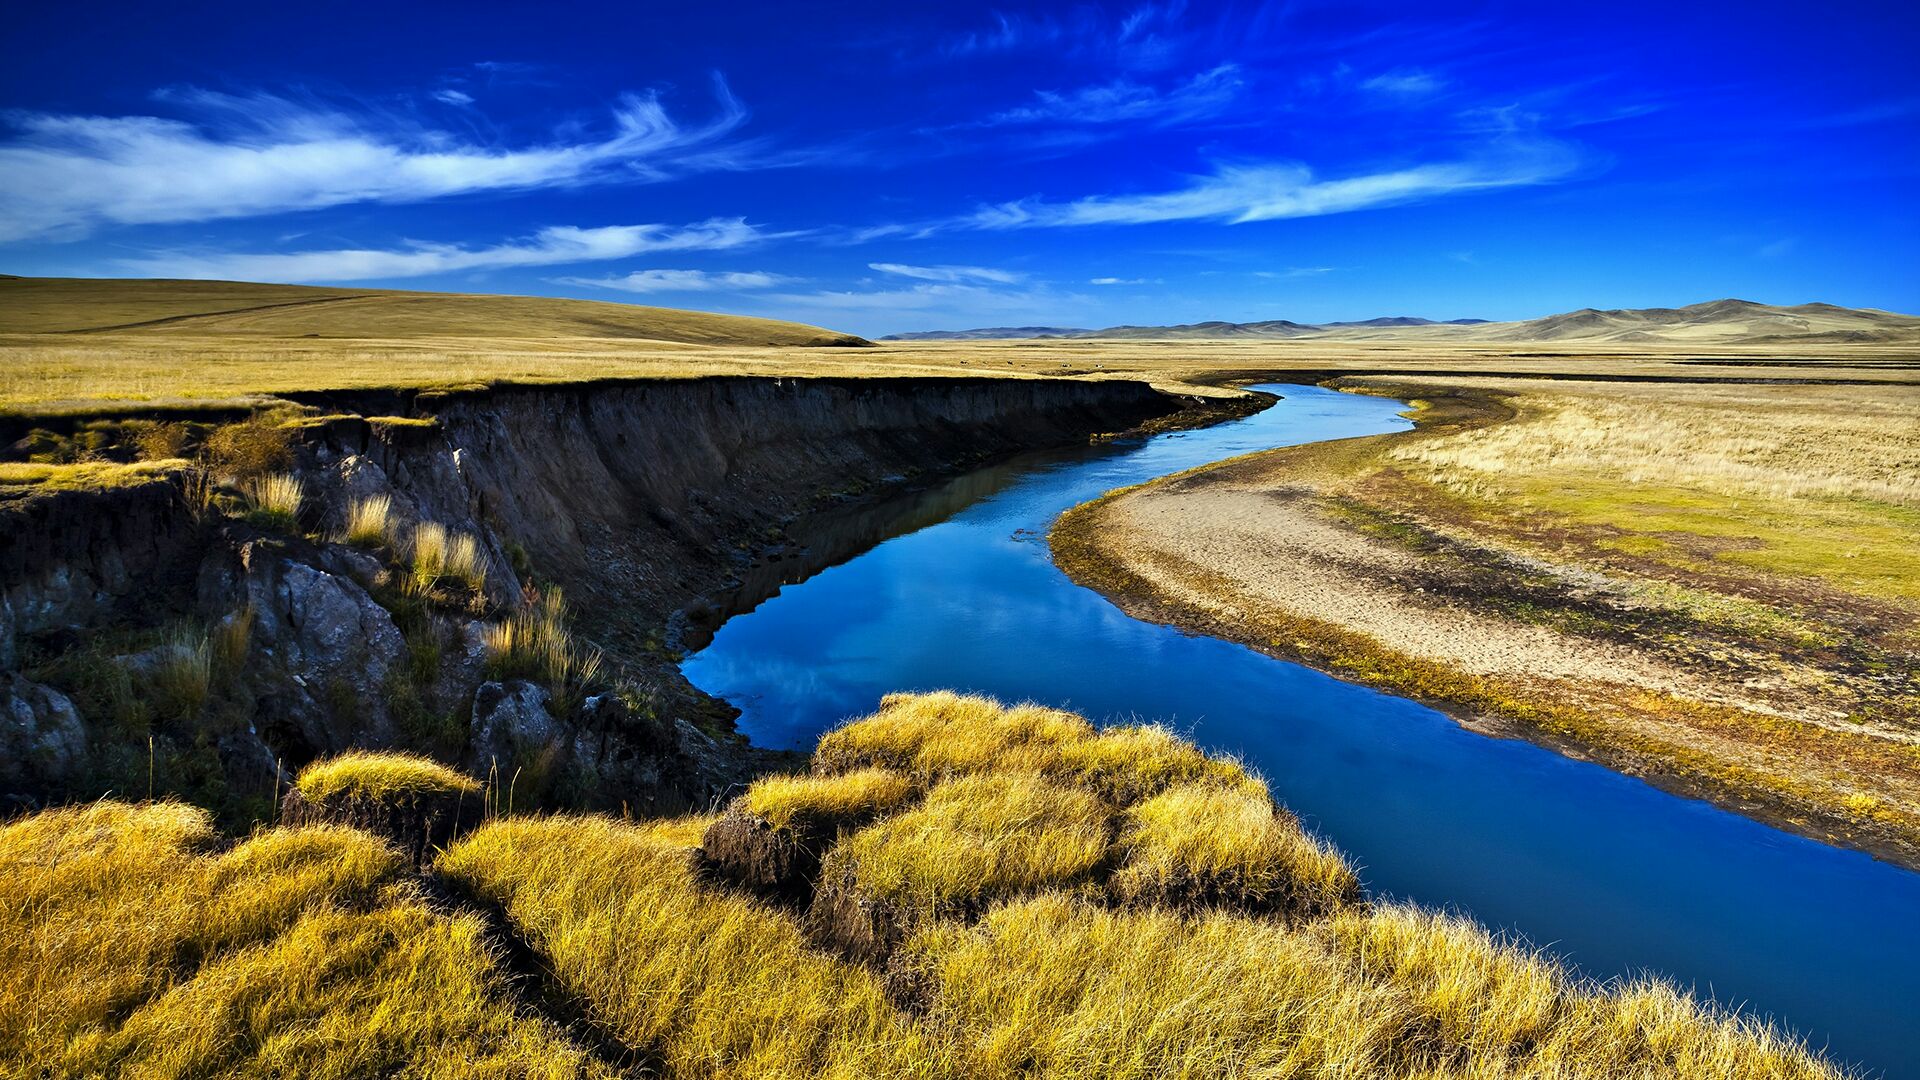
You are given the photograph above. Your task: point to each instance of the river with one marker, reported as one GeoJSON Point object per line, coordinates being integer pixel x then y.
{"type": "Point", "coordinates": [1608, 872]}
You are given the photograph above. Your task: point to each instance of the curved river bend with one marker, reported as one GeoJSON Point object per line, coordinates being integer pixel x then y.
{"type": "Point", "coordinates": [1607, 871]}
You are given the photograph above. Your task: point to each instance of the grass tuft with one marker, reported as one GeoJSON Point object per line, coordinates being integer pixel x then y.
{"type": "Point", "coordinates": [181, 678]}
{"type": "Point", "coordinates": [370, 522]}
{"type": "Point", "coordinates": [273, 502]}
{"type": "Point", "coordinates": [440, 555]}
{"type": "Point", "coordinates": [788, 802]}
{"type": "Point", "coordinates": [536, 642]}
{"type": "Point", "coordinates": [365, 774]}
{"type": "Point", "coordinates": [976, 839]}
{"type": "Point", "coordinates": [1205, 844]}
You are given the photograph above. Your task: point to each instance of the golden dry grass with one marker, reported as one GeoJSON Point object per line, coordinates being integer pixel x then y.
{"type": "Point", "coordinates": [161, 308]}
{"type": "Point", "coordinates": [367, 774]}
{"type": "Point", "coordinates": [535, 641]}
{"type": "Point", "coordinates": [1781, 443]}
{"type": "Point", "coordinates": [709, 982]}
{"type": "Point", "coordinates": [245, 351]}
{"type": "Point", "coordinates": [1228, 845]}
{"type": "Point", "coordinates": [85, 475]}
{"type": "Point", "coordinates": [275, 500]}
{"type": "Point", "coordinates": [784, 801]}
{"type": "Point", "coordinates": [942, 734]}
{"type": "Point", "coordinates": [712, 984]}
{"type": "Point", "coordinates": [974, 839]}
{"type": "Point", "coordinates": [441, 555]}
{"type": "Point", "coordinates": [370, 522]}
{"type": "Point", "coordinates": [134, 950]}
{"type": "Point", "coordinates": [1820, 483]}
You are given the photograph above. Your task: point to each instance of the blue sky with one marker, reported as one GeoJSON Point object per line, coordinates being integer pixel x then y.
{"type": "Point", "coordinates": [877, 168]}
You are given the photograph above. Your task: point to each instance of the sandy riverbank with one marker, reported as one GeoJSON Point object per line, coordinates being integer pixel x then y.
{"type": "Point", "coordinates": [1768, 667]}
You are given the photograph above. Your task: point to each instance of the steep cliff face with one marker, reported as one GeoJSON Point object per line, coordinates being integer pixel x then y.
{"type": "Point", "coordinates": [638, 499]}
{"type": "Point", "coordinates": [641, 498]}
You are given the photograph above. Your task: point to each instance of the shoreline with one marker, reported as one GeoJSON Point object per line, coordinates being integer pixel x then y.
{"type": "Point", "coordinates": [1096, 551]}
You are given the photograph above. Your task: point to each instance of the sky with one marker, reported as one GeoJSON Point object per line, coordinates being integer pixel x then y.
{"type": "Point", "coordinates": [885, 167]}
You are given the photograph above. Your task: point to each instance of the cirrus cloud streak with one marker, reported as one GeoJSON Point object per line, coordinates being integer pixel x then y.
{"type": "Point", "coordinates": [63, 176]}
{"type": "Point", "coordinates": [552, 246]}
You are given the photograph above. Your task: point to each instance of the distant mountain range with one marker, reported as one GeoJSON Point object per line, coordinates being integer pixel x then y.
{"type": "Point", "coordinates": [1727, 322]}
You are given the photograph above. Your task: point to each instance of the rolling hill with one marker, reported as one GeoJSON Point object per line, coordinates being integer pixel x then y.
{"type": "Point", "coordinates": [1720, 322]}
{"type": "Point", "coordinates": [158, 307]}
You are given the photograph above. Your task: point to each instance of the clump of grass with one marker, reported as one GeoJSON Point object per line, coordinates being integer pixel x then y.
{"type": "Point", "coordinates": [786, 802]}
{"type": "Point", "coordinates": [440, 555]}
{"type": "Point", "coordinates": [380, 775]}
{"type": "Point", "coordinates": [181, 677]}
{"type": "Point", "coordinates": [131, 949]}
{"type": "Point", "coordinates": [536, 642]}
{"type": "Point", "coordinates": [944, 734]}
{"type": "Point", "coordinates": [370, 522]}
{"type": "Point", "coordinates": [416, 803]}
{"type": "Point", "coordinates": [711, 983]}
{"type": "Point", "coordinates": [274, 501]}
{"type": "Point", "coordinates": [1203, 844]}
{"type": "Point", "coordinates": [160, 440]}
{"type": "Point", "coordinates": [976, 839]}
{"type": "Point", "coordinates": [1057, 987]}
{"type": "Point", "coordinates": [1137, 761]}
{"type": "Point", "coordinates": [247, 449]}
{"type": "Point", "coordinates": [770, 840]}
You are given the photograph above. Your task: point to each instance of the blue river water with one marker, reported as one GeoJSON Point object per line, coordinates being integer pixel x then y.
{"type": "Point", "coordinates": [1606, 871]}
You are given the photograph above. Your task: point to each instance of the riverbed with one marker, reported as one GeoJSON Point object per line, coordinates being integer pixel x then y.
{"type": "Point", "coordinates": [957, 591]}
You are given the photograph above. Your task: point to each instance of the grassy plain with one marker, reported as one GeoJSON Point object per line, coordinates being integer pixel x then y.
{"type": "Point", "coordinates": [71, 347]}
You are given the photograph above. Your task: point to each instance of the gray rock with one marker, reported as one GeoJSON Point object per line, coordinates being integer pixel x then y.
{"type": "Point", "coordinates": [511, 723]}
{"type": "Point", "coordinates": [326, 649]}
{"type": "Point", "coordinates": [42, 742]}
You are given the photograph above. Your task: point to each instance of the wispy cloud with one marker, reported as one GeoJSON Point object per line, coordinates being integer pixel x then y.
{"type": "Point", "coordinates": [450, 96]}
{"type": "Point", "coordinates": [1203, 96]}
{"type": "Point", "coordinates": [554, 246]}
{"type": "Point", "coordinates": [1296, 272]}
{"type": "Point", "coordinates": [1405, 83]}
{"type": "Point", "coordinates": [948, 273]}
{"type": "Point", "coordinates": [64, 175]}
{"type": "Point", "coordinates": [880, 310]}
{"type": "Point", "coordinates": [1119, 281]}
{"type": "Point", "coordinates": [1238, 194]}
{"type": "Point", "coordinates": [1148, 36]}
{"type": "Point", "coordinates": [654, 281]}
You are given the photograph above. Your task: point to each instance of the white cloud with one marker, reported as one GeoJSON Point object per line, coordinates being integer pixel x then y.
{"type": "Point", "coordinates": [552, 246]}
{"type": "Point", "coordinates": [949, 273]}
{"type": "Point", "coordinates": [1405, 83]}
{"type": "Point", "coordinates": [1264, 192]}
{"type": "Point", "coordinates": [920, 306]}
{"type": "Point", "coordinates": [1122, 101]}
{"type": "Point", "coordinates": [651, 281]}
{"type": "Point", "coordinates": [1295, 272]}
{"type": "Point", "coordinates": [452, 97]}
{"type": "Point", "coordinates": [65, 175]}
{"type": "Point", "coordinates": [1117, 281]}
